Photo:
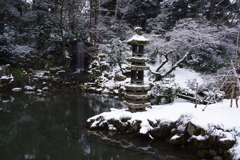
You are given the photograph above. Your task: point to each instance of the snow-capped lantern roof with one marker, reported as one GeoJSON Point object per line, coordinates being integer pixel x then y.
{"type": "Point", "coordinates": [138, 38]}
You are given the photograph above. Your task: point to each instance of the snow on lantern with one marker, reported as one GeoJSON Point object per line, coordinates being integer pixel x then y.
{"type": "Point", "coordinates": [136, 97]}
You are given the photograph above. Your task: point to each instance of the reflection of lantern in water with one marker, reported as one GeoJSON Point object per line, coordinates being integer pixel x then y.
{"type": "Point", "coordinates": [136, 97]}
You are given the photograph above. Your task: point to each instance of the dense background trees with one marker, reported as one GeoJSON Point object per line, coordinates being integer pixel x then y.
{"type": "Point", "coordinates": [41, 27]}
{"type": "Point", "coordinates": [40, 31]}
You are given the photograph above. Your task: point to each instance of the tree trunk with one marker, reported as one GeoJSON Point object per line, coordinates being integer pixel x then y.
{"type": "Point", "coordinates": [96, 11]}
{"type": "Point", "coordinates": [63, 45]}
{"type": "Point", "coordinates": [62, 33]}
{"type": "Point", "coordinates": [116, 10]}
{"type": "Point", "coordinates": [72, 17]}
{"type": "Point", "coordinates": [2, 23]}
{"type": "Point", "coordinates": [212, 10]}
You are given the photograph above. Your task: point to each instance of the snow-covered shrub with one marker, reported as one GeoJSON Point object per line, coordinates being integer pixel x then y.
{"type": "Point", "coordinates": [6, 55]}
{"type": "Point", "coordinates": [163, 92]}
{"type": "Point", "coordinates": [116, 52]}
{"type": "Point", "coordinates": [210, 47]}
{"type": "Point", "coordinates": [95, 69]}
{"type": "Point", "coordinates": [171, 11]}
{"type": "Point", "coordinates": [210, 90]}
{"type": "Point", "coordinates": [205, 91]}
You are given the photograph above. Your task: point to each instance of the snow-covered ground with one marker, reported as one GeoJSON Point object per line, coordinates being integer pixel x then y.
{"type": "Point", "coordinates": [183, 75]}
{"type": "Point", "coordinates": [218, 115]}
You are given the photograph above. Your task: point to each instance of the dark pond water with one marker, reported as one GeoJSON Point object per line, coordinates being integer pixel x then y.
{"type": "Point", "coordinates": [35, 127]}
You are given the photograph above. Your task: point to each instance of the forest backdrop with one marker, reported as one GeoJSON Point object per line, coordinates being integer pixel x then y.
{"type": "Point", "coordinates": [39, 34]}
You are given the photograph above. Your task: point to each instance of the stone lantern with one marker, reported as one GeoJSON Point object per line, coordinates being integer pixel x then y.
{"type": "Point", "coordinates": [136, 97]}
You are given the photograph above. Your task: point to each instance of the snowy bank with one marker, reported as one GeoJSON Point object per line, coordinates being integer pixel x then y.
{"type": "Point", "coordinates": [213, 132]}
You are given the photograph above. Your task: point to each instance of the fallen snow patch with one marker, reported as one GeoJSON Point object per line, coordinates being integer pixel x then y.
{"type": "Point", "coordinates": [217, 119]}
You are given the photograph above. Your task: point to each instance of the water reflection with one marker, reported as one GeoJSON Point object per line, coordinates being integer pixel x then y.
{"type": "Point", "coordinates": [34, 127]}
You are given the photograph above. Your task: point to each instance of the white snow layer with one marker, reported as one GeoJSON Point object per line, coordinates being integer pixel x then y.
{"type": "Point", "coordinates": [219, 114]}
{"type": "Point", "coordinates": [183, 75]}
{"type": "Point", "coordinates": [215, 115]}
{"type": "Point", "coordinates": [138, 38]}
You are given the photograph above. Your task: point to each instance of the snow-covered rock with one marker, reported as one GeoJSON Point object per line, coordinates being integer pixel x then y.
{"type": "Point", "coordinates": [45, 89]}
{"type": "Point", "coordinates": [181, 124]}
{"type": "Point", "coordinates": [28, 88]}
{"type": "Point", "coordinates": [17, 89]}
{"type": "Point", "coordinates": [6, 78]}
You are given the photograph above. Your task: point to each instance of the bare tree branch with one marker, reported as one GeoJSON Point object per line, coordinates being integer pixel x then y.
{"type": "Point", "coordinates": [165, 61]}
{"type": "Point", "coordinates": [176, 64]}
{"type": "Point", "coordinates": [160, 76]}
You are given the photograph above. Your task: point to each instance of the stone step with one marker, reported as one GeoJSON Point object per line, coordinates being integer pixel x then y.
{"type": "Point", "coordinates": [138, 59]}
{"type": "Point", "coordinates": [136, 97]}
{"type": "Point", "coordinates": [137, 105]}
{"type": "Point", "coordinates": [137, 87]}
{"type": "Point", "coordinates": [137, 68]}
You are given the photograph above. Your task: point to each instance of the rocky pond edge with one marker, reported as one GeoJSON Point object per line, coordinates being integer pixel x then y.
{"type": "Point", "coordinates": [215, 143]}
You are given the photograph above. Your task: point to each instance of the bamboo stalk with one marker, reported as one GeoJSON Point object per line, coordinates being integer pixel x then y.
{"type": "Point", "coordinates": [196, 95]}
{"type": "Point", "coordinates": [235, 78]}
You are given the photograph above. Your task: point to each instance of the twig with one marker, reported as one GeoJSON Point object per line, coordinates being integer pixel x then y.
{"type": "Point", "coordinates": [216, 93]}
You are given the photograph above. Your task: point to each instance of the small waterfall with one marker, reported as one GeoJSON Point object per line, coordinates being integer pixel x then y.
{"type": "Point", "coordinates": [80, 57]}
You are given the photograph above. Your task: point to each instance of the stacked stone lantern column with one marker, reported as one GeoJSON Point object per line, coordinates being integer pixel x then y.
{"type": "Point", "coordinates": [136, 97]}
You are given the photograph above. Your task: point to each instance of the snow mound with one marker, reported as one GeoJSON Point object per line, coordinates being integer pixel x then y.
{"type": "Point", "coordinates": [215, 116]}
